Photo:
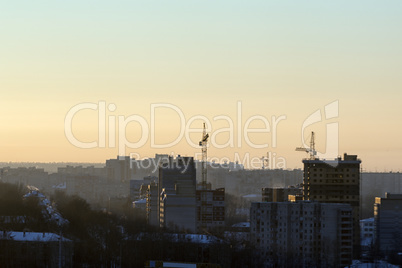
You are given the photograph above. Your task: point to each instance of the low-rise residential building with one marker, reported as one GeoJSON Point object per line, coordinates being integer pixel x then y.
{"type": "Point", "coordinates": [140, 204]}
{"type": "Point", "coordinates": [33, 249]}
{"type": "Point", "coordinates": [367, 228]}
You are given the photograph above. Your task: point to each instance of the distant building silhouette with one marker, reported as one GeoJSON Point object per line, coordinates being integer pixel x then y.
{"type": "Point", "coordinates": [119, 169]}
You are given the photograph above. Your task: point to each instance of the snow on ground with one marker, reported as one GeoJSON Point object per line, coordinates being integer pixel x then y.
{"type": "Point", "coordinates": [32, 236]}
{"type": "Point", "coordinates": [48, 211]}
{"type": "Point", "coordinates": [377, 264]}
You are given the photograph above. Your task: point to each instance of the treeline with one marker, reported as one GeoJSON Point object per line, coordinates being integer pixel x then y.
{"type": "Point", "coordinates": [103, 239]}
{"type": "Point", "coordinates": [18, 213]}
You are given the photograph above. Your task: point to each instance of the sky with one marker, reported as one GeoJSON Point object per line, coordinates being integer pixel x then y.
{"type": "Point", "coordinates": [175, 60]}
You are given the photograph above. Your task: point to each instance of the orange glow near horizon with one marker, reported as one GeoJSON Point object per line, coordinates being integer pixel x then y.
{"type": "Point", "coordinates": [277, 59]}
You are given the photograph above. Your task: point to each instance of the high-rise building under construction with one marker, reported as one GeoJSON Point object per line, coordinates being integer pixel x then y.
{"type": "Point", "coordinates": [335, 181]}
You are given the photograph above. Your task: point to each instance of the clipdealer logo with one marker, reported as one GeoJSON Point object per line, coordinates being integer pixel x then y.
{"type": "Point", "coordinates": [331, 111]}
{"type": "Point", "coordinates": [238, 131]}
{"type": "Point", "coordinates": [148, 129]}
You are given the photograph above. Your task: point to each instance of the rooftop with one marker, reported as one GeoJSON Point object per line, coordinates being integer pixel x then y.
{"type": "Point", "coordinates": [32, 236]}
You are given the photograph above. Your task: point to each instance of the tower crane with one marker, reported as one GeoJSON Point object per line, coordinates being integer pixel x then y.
{"type": "Point", "coordinates": [203, 143]}
{"type": "Point", "coordinates": [265, 161]}
{"type": "Point", "coordinates": [311, 151]}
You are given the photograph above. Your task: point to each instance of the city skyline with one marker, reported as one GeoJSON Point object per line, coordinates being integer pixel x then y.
{"type": "Point", "coordinates": [277, 59]}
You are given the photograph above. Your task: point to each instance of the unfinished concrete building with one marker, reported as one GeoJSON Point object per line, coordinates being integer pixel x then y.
{"type": "Point", "coordinates": [335, 181]}
{"type": "Point", "coordinates": [210, 209]}
{"type": "Point", "coordinates": [279, 194]}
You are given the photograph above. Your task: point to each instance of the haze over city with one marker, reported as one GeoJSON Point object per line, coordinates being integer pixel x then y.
{"type": "Point", "coordinates": [205, 134]}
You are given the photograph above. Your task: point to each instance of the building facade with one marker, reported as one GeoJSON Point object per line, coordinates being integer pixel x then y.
{"type": "Point", "coordinates": [152, 204]}
{"type": "Point", "coordinates": [177, 194]}
{"type": "Point", "coordinates": [367, 229]}
{"type": "Point", "coordinates": [302, 233]}
{"type": "Point", "coordinates": [210, 209]}
{"type": "Point", "coordinates": [119, 169]}
{"type": "Point", "coordinates": [388, 223]}
{"type": "Point", "coordinates": [335, 181]}
{"type": "Point", "coordinates": [279, 194]}
{"type": "Point", "coordinates": [32, 249]}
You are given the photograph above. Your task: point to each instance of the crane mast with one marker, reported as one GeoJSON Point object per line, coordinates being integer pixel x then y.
{"type": "Point", "coordinates": [311, 151]}
{"type": "Point", "coordinates": [265, 161]}
{"type": "Point", "coordinates": [312, 146]}
{"type": "Point", "coordinates": [203, 143]}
